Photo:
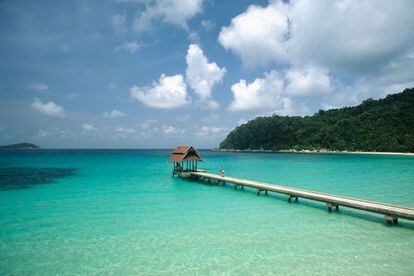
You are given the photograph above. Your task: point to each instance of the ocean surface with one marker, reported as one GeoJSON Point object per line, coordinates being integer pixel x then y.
{"type": "Point", "coordinates": [121, 212]}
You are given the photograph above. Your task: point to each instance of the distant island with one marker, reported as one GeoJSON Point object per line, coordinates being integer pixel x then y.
{"type": "Point", "coordinates": [385, 125]}
{"type": "Point", "coordinates": [20, 146]}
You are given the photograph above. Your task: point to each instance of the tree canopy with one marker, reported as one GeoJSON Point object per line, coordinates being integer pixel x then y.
{"type": "Point", "coordinates": [374, 125]}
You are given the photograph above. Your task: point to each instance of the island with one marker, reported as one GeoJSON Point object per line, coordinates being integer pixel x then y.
{"type": "Point", "coordinates": [20, 146]}
{"type": "Point", "coordinates": [384, 125]}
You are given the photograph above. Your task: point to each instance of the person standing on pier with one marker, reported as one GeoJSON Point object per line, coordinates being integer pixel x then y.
{"type": "Point", "coordinates": [222, 172]}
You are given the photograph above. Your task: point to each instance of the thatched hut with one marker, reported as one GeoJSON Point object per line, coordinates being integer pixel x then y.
{"type": "Point", "coordinates": [185, 159]}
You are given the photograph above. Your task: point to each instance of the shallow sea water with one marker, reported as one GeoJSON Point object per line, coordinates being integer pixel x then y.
{"type": "Point", "coordinates": [121, 212]}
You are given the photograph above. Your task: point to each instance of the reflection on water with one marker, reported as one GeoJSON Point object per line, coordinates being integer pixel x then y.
{"type": "Point", "coordinates": [12, 178]}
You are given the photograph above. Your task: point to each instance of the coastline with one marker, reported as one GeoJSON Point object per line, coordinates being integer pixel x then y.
{"type": "Point", "coordinates": [323, 151]}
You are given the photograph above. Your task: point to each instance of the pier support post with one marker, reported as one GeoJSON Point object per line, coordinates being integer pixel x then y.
{"type": "Point", "coordinates": [258, 192]}
{"type": "Point", "coordinates": [235, 187]}
{"type": "Point", "coordinates": [330, 205]}
{"type": "Point", "coordinates": [266, 192]}
{"type": "Point", "coordinates": [292, 196]}
{"type": "Point", "coordinates": [390, 220]}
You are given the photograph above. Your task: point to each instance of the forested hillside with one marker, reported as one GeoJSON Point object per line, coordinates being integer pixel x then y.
{"type": "Point", "coordinates": [374, 125]}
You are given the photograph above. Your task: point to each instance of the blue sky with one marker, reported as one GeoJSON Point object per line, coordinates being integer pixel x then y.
{"type": "Point", "coordinates": [154, 74]}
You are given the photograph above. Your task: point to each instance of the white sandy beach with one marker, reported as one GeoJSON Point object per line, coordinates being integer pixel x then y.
{"type": "Point", "coordinates": [322, 151]}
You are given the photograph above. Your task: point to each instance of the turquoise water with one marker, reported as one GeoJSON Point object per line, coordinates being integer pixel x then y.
{"type": "Point", "coordinates": [121, 212]}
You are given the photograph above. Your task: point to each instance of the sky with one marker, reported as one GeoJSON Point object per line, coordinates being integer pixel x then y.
{"type": "Point", "coordinates": [159, 73]}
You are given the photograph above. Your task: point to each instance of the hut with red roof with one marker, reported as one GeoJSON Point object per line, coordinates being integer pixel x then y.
{"type": "Point", "coordinates": [185, 159]}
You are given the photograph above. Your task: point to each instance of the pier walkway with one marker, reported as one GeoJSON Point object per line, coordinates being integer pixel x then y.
{"type": "Point", "coordinates": [391, 212]}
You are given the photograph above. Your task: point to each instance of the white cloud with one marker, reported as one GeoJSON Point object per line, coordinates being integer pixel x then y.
{"type": "Point", "coordinates": [211, 132]}
{"type": "Point", "coordinates": [48, 108]}
{"type": "Point", "coordinates": [211, 118]}
{"type": "Point", "coordinates": [352, 36]}
{"type": "Point", "coordinates": [170, 131]}
{"type": "Point", "coordinates": [129, 47]}
{"type": "Point", "coordinates": [113, 114]}
{"type": "Point", "coordinates": [257, 35]}
{"type": "Point", "coordinates": [118, 22]}
{"type": "Point", "coordinates": [183, 118]}
{"type": "Point", "coordinates": [330, 53]}
{"type": "Point", "coordinates": [260, 94]}
{"type": "Point", "coordinates": [174, 12]}
{"type": "Point", "coordinates": [193, 37]}
{"type": "Point", "coordinates": [168, 92]}
{"type": "Point", "coordinates": [202, 75]}
{"type": "Point", "coordinates": [344, 37]}
{"type": "Point", "coordinates": [148, 123]}
{"type": "Point", "coordinates": [279, 92]}
{"type": "Point", "coordinates": [207, 24]}
{"type": "Point", "coordinates": [308, 81]}
{"type": "Point", "coordinates": [88, 127]}
{"type": "Point", "coordinates": [40, 87]}
{"type": "Point", "coordinates": [41, 134]}
{"type": "Point", "coordinates": [123, 130]}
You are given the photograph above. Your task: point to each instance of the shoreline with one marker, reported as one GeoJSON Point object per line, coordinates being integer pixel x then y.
{"type": "Point", "coordinates": [319, 152]}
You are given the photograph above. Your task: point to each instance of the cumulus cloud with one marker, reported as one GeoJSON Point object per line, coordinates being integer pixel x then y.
{"type": "Point", "coordinates": [129, 47]}
{"type": "Point", "coordinates": [174, 12]}
{"type": "Point", "coordinates": [260, 94]}
{"type": "Point", "coordinates": [321, 32]}
{"type": "Point", "coordinates": [202, 75]}
{"type": "Point", "coordinates": [38, 86]}
{"type": "Point", "coordinates": [113, 114]}
{"type": "Point", "coordinates": [168, 92]}
{"type": "Point", "coordinates": [257, 35]}
{"type": "Point", "coordinates": [277, 91]}
{"type": "Point", "coordinates": [48, 108]}
{"type": "Point", "coordinates": [308, 81]}
{"type": "Point", "coordinates": [170, 131]}
{"type": "Point", "coordinates": [210, 131]}
{"type": "Point", "coordinates": [88, 127]}
{"type": "Point", "coordinates": [123, 130]}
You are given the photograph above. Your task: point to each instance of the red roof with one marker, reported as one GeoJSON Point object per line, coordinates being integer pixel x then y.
{"type": "Point", "coordinates": [184, 153]}
{"type": "Point", "coordinates": [181, 149]}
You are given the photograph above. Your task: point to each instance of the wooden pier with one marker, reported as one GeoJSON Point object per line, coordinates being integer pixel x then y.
{"type": "Point", "coordinates": [391, 212]}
